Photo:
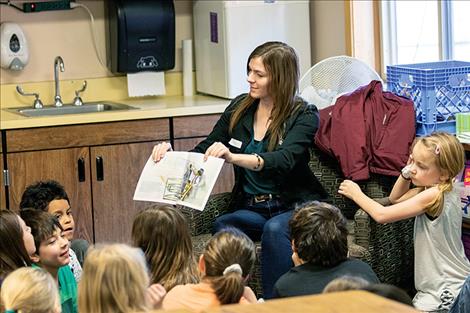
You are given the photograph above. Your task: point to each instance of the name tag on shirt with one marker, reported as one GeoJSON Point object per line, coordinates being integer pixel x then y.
{"type": "Point", "coordinates": [235, 143]}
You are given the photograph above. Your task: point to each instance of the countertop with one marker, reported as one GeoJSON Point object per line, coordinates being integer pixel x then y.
{"type": "Point", "coordinates": [171, 106]}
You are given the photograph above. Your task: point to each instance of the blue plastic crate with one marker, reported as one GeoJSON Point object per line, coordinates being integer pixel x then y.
{"type": "Point", "coordinates": [438, 90]}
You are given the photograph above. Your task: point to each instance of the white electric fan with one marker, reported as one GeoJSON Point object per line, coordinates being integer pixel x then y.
{"type": "Point", "coordinates": [330, 78]}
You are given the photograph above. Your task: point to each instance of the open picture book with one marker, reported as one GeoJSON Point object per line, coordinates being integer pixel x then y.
{"type": "Point", "coordinates": [181, 178]}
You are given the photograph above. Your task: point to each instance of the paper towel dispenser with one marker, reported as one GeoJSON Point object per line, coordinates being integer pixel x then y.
{"type": "Point", "coordinates": [141, 35]}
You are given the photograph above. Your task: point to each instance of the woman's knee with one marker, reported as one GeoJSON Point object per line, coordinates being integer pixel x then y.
{"type": "Point", "coordinates": [220, 223]}
{"type": "Point", "coordinates": [278, 225]}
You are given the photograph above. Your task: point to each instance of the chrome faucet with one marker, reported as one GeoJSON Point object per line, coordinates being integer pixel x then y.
{"type": "Point", "coordinates": [58, 62]}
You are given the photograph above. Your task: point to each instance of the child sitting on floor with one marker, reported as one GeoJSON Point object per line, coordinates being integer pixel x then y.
{"type": "Point", "coordinates": [51, 197]}
{"type": "Point", "coordinates": [30, 290]}
{"type": "Point", "coordinates": [319, 241]}
{"type": "Point", "coordinates": [115, 279]}
{"type": "Point", "coordinates": [16, 243]}
{"type": "Point", "coordinates": [52, 254]}
{"type": "Point", "coordinates": [171, 261]}
{"type": "Point", "coordinates": [225, 267]}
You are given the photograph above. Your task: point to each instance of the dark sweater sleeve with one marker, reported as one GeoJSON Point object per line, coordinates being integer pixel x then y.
{"type": "Point", "coordinates": [220, 131]}
{"type": "Point", "coordinates": [298, 138]}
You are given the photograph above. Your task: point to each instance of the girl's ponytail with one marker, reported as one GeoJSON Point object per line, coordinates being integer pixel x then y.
{"type": "Point", "coordinates": [230, 286]}
{"type": "Point", "coordinates": [228, 258]}
{"type": "Point", "coordinates": [435, 208]}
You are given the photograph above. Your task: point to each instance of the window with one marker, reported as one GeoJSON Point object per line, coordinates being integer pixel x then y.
{"type": "Point", "coordinates": [424, 31]}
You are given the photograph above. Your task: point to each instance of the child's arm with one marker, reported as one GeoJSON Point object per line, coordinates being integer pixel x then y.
{"type": "Point", "coordinates": [249, 295]}
{"type": "Point", "coordinates": [400, 188]}
{"type": "Point", "coordinates": [410, 207]}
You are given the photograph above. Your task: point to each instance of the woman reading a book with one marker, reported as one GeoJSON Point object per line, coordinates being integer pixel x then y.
{"type": "Point", "coordinates": [266, 134]}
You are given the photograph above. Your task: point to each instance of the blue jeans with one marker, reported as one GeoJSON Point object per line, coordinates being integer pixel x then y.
{"type": "Point", "coordinates": [269, 222]}
{"type": "Point", "coordinates": [462, 302]}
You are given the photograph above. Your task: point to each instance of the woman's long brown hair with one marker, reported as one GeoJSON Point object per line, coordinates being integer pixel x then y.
{"type": "Point", "coordinates": [163, 234]}
{"type": "Point", "coordinates": [282, 64]}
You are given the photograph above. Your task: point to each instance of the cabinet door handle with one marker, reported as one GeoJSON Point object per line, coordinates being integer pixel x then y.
{"type": "Point", "coordinates": [81, 170]}
{"type": "Point", "coordinates": [99, 168]}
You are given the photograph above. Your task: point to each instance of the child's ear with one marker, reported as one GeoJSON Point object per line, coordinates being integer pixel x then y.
{"type": "Point", "coordinates": [202, 265]}
{"type": "Point", "coordinates": [292, 244]}
{"type": "Point", "coordinates": [35, 258]}
{"type": "Point", "coordinates": [444, 176]}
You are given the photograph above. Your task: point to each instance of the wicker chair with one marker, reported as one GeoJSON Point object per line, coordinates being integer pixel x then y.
{"type": "Point", "coordinates": [388, 248]}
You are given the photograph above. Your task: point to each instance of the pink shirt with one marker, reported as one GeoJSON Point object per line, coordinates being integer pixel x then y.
{"type": "Point", "coordinates": [195, 297]}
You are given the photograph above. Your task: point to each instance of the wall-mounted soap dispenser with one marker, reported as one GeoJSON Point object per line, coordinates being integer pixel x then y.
{"type": "Point", "coordinates": [14, 47]}
{"type": "Point", "coordinates": [141, 35]}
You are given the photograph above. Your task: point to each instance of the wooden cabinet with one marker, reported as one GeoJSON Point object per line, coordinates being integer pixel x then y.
{"type": "Point", "coordinates": [99, 166]}
{"type": "Point", "coordinates": [3, 204]}
{"type": "Point", "coordinates": [113, 188]}
{"type": "Point", "coordinates": [61, 165]}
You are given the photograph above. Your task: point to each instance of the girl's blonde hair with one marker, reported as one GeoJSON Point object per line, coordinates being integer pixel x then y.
{"type": "Point", "coordinates": [282, 66]}
{"type": "Point", "coordinates": [229, 247]}
{"type": "Point", "coordinates": [449, 156]}
{"type": "Point", "coordinates": [30, 290]}
{"type": "Point", "coordinates": [114, 279]}
{"type": "Point", "coordinates": [163, 234]}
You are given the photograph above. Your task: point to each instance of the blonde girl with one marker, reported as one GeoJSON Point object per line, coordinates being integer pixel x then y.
{"type": "Point", "coordinates": [30, 290]}
{"type": "Point", "coordinates": [163, 234]}
{"type": "Point", "coordinates": [115, 280]}
{"type": "Point", "coordinates": [440, 263]}
{"type": "Point", "coordinates": [225, 266]}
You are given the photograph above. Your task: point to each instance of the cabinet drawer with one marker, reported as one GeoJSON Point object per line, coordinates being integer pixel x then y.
{"type": "Point", "coordinates": [87, 135]}
{"type": "Point", "coordinates": [194, 126]}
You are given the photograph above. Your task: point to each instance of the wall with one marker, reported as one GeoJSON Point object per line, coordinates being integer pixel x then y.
{"type": "Point", "coordinates": [68, 34]}
{"type": "Point", "coordinates": [327, 24]}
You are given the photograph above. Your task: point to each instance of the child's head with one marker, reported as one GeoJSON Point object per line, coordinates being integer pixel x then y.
{"type": "Point", "coordinates": [345, 283]}
{"type": "Point", "coordinates": [50, 196]}
{"type": "Point", "coordinates": [389, 291]}
{"type": "Point", "coordinates": [227, 262]}
{"type": "Point", "coordinates": [171, 261]}
{"type": "Point", "coordinates": [52, 247]}
{"type": "Point", "coordinates": [30, 290]}
{"type": "Point", "coordinates": [16, 243]}
{"type": "Point", "coordinates": [114, 279]}
{"type": "Point", "coordinates": [436, 160]}
{"type": "Point", "coordinates": [319, 234]}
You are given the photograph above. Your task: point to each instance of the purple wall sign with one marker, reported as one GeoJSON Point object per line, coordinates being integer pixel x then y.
{"type": "Point", "coordinates": [214, 27]}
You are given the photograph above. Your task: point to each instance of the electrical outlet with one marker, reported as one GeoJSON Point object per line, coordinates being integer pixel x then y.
{"type": "Point", "coordinates": [30, 7]}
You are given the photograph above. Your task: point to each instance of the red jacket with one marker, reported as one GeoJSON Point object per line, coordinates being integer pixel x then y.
{"type": "Point", "coordinates": [368, 130]}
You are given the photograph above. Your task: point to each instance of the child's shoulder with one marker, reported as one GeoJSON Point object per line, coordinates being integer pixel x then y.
{"type": "Point", "coordinates": [431, 191]}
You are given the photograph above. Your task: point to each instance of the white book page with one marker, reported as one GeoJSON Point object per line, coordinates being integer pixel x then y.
{"type": "Point", "coordinates": [163, 181]}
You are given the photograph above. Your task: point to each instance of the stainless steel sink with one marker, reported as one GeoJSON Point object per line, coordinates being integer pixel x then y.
{"type": "Point", "coordinates": [88, 107]}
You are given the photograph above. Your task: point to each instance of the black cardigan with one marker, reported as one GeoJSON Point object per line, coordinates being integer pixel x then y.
{"type": "Point", "coordinates": [287, 164]}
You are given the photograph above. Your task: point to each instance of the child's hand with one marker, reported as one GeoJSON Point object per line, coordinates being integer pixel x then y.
{"type": "Point", "coordinates": [349, 189]}
{"type": "Point", "coordinates": [249, 295]}
{"type": "Point", "coordinates": [155, 295]}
